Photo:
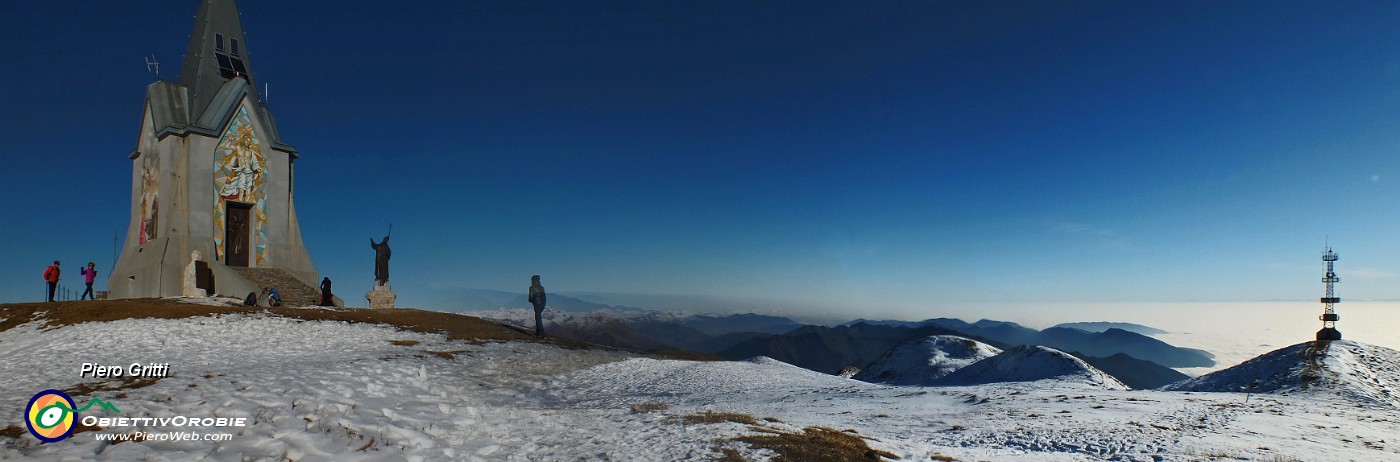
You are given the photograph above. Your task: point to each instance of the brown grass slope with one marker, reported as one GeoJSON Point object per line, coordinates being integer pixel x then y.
{"type": "Point", "coordinates": [456, 326]}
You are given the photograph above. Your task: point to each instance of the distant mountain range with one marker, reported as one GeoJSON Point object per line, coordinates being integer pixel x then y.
{"type": "Point", "coordinates": [830, 349]}
{"type": "Point", "coordinates": [1135, 359]}
{"type": "Point", "coordinates": [468, 300]}
{"type": "Point", "coordinates": [1103, 326]}
{"type": "Point", "coordinates": [922, 361]}
{"type": "Point", "coordinates": [747, 322]}
{"type": "Point", "coordinates": [1140, 374]}
{"type": "Point", "coordinates": [1113, 339]}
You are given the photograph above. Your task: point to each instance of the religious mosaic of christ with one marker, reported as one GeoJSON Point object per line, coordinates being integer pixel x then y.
{"type": "Point", "coordinates": [150, 198]}
{"type": "Point", "coordinates": [240, 176]}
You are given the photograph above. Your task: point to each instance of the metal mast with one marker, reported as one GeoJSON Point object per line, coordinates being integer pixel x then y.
{"type": "Point", "coordinates": [1329, 314]}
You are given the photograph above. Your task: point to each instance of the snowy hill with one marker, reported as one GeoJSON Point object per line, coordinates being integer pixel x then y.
{"type": "Point", "coordinates": [1351, 370]}
{"type": "Point", "coordinates": [921, 361]}
{"type": "Point", "coordinates": [1109, 341]}
{"type": "Point", "coordinates": [1032, 363]}
{"type": "Point", "coordinates": [701, 382]}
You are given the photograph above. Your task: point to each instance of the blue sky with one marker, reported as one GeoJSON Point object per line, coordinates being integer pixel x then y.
{"type": "Point", "coordinates": [876, 160]}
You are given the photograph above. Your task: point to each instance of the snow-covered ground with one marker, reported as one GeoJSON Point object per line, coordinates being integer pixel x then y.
{"type": "Point", "coordinates": [320, 390]}
{"type": "Point", "coordinates": [921, 361]}
{"type": "Point", "coordinates": [1352, 370]}
{"type": "Point", "coordinates": [1029, 363]}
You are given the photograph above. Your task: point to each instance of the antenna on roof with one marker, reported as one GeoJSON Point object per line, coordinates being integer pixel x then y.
{"type": "Point", "coordinates": [152, 66]}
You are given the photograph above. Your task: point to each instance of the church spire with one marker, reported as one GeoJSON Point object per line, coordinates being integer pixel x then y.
{"type": "Point", "coordinates": [217, 52]}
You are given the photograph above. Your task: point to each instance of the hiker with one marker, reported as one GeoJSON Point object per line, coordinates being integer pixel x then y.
{"type": "Point", "coordinates": [326, 298]}
{"type": "Point", "coordinates": [89, 274]}
{"type": "Point", "coordinates": [537, 298]}
{"type": "Point", "coordinates": [51, 277]}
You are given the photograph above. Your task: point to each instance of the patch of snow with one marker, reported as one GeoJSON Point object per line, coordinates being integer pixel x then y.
{"type": "Point", "coordinates": [1032, 363]}
{"type": "Point", "coordinates": [210, 301]}
{"type": "Point", "coordinates": [921, 361]}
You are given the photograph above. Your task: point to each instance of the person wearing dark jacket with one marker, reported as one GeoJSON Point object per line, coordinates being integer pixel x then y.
{"type": "Point", "coordinates": [537, 298]}
{"type": "Point", "coordinates": [326, 292]}
{"type": "Point", "coordinates": [51, 277]}
{"type": "Point", "coordinates": [89, 274]}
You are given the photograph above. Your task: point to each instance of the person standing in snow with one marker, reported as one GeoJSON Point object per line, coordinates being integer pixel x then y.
{"type": "Point", "coordinates": [89, 274]}
{"type": "Point", "coordinates": [537, 298]}
{"type": "Point", "coordinates": [326, 292]}
{"type": "Point", "coordinates": [51, 277]}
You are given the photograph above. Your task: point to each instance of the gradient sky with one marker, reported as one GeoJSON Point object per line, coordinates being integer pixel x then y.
{"type": "Point", "coordinates": [882, 159]}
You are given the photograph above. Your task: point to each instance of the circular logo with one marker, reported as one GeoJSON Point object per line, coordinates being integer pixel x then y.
{"type": "Point", "coordinates": [50, 415]}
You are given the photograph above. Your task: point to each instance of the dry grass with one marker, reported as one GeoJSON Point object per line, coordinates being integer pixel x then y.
{"type": "Point", "coordinates": [815, 444]}
{"type": "Point", "coordinates": [943, 458]}
{"type": "Point", "coordinates": [709, 417]}
{"type": "Point", "coordinates": [454, 326]}
{"type": "Point", "coordinates": [445, 354]}
{"type": "Point", "coordinates": [812, 444]}
{"type": "Point", "coordinates": [677, 353]}
{"type": "Point", "coordinates": [59, 314]}
{"type": "Point", "coordinates": [729, 455]}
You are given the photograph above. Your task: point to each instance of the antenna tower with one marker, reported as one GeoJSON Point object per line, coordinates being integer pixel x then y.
{"type": "Point", "coordinates": [1329, 314]}
{"type": "Point", "coordinates": [153, 66]}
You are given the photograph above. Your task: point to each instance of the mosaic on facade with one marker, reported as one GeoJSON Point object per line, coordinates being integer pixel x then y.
{"type": "Point", "coordinates": [240, 176]}
{"type": "Point", "coordinates": [150, 198]}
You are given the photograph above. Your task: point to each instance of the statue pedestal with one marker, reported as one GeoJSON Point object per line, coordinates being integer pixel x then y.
{"type": "Point", "coordinates": [381, 297]}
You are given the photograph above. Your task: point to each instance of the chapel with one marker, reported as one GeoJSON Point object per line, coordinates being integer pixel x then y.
{"type": "Point", "coordinates": [212, 174]}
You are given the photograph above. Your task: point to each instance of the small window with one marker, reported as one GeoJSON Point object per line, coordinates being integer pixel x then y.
{"type": "Point", "coordinates": [219, 42]}
{"type": "Point", "coordinates": [225, 65]}
{"type": "Point", "coordinates": [233, 46]}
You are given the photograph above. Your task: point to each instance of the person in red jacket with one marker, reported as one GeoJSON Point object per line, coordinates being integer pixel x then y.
{"type": "Point", "coordinates": [51, 276]}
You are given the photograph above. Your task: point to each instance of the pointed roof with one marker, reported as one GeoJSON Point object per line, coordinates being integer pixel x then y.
{"type": "Point", "coordinates": [215, 77]}
{"type": "Point", "coordinates": [217, 52]}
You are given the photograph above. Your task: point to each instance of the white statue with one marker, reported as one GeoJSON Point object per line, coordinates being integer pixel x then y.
{"type": "Point", "coordinates": [191, 288]}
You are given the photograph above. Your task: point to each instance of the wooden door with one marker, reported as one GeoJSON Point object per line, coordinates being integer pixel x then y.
{"type": "Point", "coordinates": [236, 234]}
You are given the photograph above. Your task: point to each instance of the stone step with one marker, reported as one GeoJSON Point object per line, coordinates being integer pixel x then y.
{"type": "Point", "coordinates": [293, 291]}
